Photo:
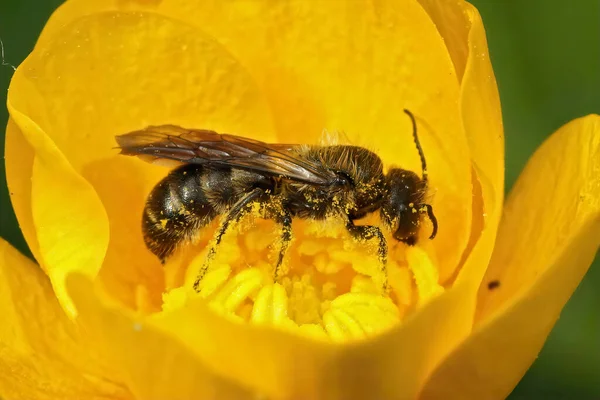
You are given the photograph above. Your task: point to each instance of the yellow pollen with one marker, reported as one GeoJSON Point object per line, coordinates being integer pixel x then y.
{"type": "Point", "coordinates": [329, 289]}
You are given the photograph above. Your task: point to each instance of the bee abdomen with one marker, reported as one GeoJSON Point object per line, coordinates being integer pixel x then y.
{"type": "Point", "coordinates": [175, 210]}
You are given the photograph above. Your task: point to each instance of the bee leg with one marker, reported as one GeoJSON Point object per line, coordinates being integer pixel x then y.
{"type": "Point", "coordinates": [428, 209]}
{"type": "Point", "coordinates": [237, 211]}
{"type": "Point", "coordinates": [286, 237]}
{"type": "Point", "coordinates": [368, 232]}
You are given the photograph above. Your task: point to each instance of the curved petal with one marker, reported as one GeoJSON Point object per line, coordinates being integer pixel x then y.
{"type": "Point", "coordinates": [461, 26]}
{"type": "Point", "coordinates": [279, 364]}
{"type": "Point", "coordinates": [479, 104]}
{"type": "Point", "coordinates": [43, 355]}
{"type": "Point", "coordinates": [316, 76]}
{"type": "Point", "coordinates": [482, 119]}
{"type": "Point", "coordinates": [154, 365]}
{"type": "Point", "coordinates": [463, 31]}
{"type": "Point", "coordinates": [71, 238]}
{"type": "Point", "coordinates": [533, 231]}
{"type": "Point", "coordinates": [453, 21]}
{"type": "Point", "coordinates": [148, 70]}
{"type": "Point", "coordinates": [19, 167]}
{"type": "Point", "coordinates": [544, 249]}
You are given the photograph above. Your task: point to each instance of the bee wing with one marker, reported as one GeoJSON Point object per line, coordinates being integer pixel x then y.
{"type": "Point", "coordinates": [197, 146]}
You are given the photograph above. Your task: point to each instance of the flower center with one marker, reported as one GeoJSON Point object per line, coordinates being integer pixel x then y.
{"type": "Point", "coordinates": [329, 287]}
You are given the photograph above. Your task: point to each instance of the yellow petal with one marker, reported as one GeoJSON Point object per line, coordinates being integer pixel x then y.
{"type": "Point", "coordinates": [43, 354]}
{"type": "Point", "coordinates": [148, 70]}
{"type": "Point", "coordinates": [19, 164]}
{"type": "Point", "coordinates": [153, 365]}
{"type": "Point", "coordinates": [275, 363]}
{"type": "Point", "coordinates": [316, 75]}
{"type": "Point", "coordinates": [547, 240]}
{"type": "Point", "coordinates": [69, 220]}
{"type": "Point", "coordinates": [278, 364]}
{"type": "Point", "coordinates": [451, 18]}
{"type": "Point", "coordinates": [556, 196]}
{"type": "Point", "coordinates": [460, 25]}
{"type": "Point", "coordinates": [453, 311]}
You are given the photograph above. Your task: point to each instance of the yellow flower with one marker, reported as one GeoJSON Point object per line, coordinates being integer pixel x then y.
{"type": "Point", "coordinates": [467, 312]}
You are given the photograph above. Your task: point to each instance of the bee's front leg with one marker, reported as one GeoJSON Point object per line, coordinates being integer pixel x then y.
{"type": "Point", "coordinates": [368, 232]}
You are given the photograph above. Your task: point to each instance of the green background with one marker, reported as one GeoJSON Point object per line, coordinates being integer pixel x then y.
{"type": "Point", "coordinates": [546, 56]}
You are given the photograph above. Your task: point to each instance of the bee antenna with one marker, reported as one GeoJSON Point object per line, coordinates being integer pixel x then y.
{"type": "Point", "coordinates": [418, 144]}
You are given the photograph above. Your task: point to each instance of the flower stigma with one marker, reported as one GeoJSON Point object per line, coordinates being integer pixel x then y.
{"type": "Point", "coordinates": [329, 286]}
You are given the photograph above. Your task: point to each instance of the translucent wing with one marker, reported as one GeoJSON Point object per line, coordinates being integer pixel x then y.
{"type": "Point", "coordinates": [197, 146]}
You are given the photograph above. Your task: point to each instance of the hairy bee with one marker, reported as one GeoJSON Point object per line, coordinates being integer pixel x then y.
{"type": "Point", "coordinates": [223, 174]}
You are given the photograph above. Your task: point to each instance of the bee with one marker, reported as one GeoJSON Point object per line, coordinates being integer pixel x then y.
{"type": "Point", "coordinates": [223, 174]}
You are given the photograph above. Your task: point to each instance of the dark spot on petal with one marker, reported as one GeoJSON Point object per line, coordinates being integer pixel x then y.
{"type": "Point", "coordinates": [493, 284]}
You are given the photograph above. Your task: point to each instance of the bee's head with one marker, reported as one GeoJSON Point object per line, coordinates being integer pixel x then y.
{"type": "Point", "coordinates": [404, 205]}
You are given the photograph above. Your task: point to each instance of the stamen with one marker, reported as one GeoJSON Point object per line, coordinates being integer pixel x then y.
{"type": "Point", "coordinates": [213, 280]}
{"type": "Point", "coordinates": [342, 327]}
{"type": "Point", "coordinates": [238, 289]}
{"type": "Point", "coordinates": [271, 305]}
{"type": "Point", "coordinates": [401, 281]}
{"type": "Point", "coordinates": [362, 284]}
{"type": "Point", "coordinates": [331, 290]}
{"type": "Point", "coordinates": [425, 273]}
{"type": "Point", "coordinates": [305, 302]}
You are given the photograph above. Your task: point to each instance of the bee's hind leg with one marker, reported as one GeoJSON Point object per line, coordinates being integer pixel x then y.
{"type": "Point", "coordinates": [285, 220]}
{"type": "Point", "coordinates": [237, 211]}
{"type": "Point", "coordinates": [368, 232]}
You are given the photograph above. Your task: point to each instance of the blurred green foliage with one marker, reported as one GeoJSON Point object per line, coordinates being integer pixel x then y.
{"type": "Point", "coordinates": [546, 56]}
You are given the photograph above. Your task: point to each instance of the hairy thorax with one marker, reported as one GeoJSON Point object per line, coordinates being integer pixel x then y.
{"type": "Point", "coordinates": [358, 191]}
